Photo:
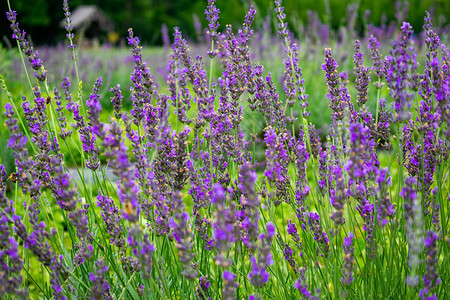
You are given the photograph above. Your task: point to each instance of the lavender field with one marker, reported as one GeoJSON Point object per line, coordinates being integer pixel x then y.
{"type": "Point", "coordinates": [246, 163]}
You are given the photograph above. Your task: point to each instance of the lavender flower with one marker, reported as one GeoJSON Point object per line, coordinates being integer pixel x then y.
{"type": "Point", "coordinates": [143, 86]}
{"type": "Point", "coordinates": [294, 84]}
{"type": "Point", "coordinates": [17, 143]}
{"type": "Point", "coordinates": [385, 207]}
{"type": "Point", "coordinates": [383, 125]}
{"type": "Point", "coordinates": [362, 75]}
{"type": "Point", "coordinates": [212, 15]}
{"type": "Point", "coordinates": [431, 278]}
{"type": "Point", "coordinates": [249, 203]}
{"type": "Point", "coordinates": [10, 277]}
{"type": "Point", "coordinates": [69, 28]}
{"type": "Point", "coordinates": [116, 100]}
{"type": "Point", "coordinates": [292, 231]}
{"type": "Point", "coordinates": [224, 231]}
{"type": "Point", "coordinates": [33, 58]}
{"type": "Point", "coordinates": [302, 286]}
{"type": "Point", "coordinates": [112, 219]}
{"type": "Point", "coordinates": [229, 286]}
{"type": "Point", "coordinates": [400, 77]}
{"type": "Point", "coordinates": [338, 197]}
{"type": "Point", "coordinates": [94, 110]}
{"type": "Point", "coordinates": [182, 236]}
{"type": "Point", "coordinates": [378, 65]}
{"type": "Point", "coordinates": [100, 286]}
{"type": "Point", "coordinates": [65, 133]}
{"type": "Point", "coordinates": [288, 254]}
{"type": "Point", "coordinates": [319, 235]}
{"type": "Point", "coordinates": [258, 275]}
{"type": "Point", "coordinates": [330, 67]}
{"type": "Point", "coordinates": [142, 249]}
{"type": "Point", "coordinates": [349, 260]}
{"type": "Point", "coordinates": [202, 289]}
{"type": "Point", "coordinates": [301, 155]}
{"type": "Point", "coordinates": [413, 224]}
{"type": "Point", "coordinates": [278, 159]}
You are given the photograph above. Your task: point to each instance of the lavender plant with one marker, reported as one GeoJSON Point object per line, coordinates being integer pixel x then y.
{"type": "Point", "coordinates": [174, 199]}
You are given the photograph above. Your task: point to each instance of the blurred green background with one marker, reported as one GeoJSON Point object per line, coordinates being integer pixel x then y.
{"type": "Point", "coordinates": [40, 18]}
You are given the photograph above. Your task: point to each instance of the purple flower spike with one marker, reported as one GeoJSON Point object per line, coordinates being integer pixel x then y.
{"type": "Point", "coordinates": [349, 260]}
{"type": "Point", "coordinates": [33, 58]}
{"type": "Point", "coordinates": [212, 16]}
{"type": "Point", "coordinates": [100, 286]}
{"type": "Point", "coordinates": [431, 278]}
{"type": "Point", "coordinates": [202, 289]}
{"type": "Point", "coordinates": [229, 286]}
{"type": "Point", "coordinates": [362, 75]}
{"type": "Point", "coordinates": [302, 286]}
{"type": "Point", "coordinates": [224, 227]}
{"type": "Point", "coordinates": [319, 235]}
{"type": "Point", "coordinates": [413, 227]}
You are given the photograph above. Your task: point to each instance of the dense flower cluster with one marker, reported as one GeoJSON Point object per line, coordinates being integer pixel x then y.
{"type": "Point", "coordinates": [216, 185]}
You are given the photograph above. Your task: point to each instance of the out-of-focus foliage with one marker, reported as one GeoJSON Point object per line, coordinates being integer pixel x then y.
{"type": "Point", "coordinates": [40, 18]}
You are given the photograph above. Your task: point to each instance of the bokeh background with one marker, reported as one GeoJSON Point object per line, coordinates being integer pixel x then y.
{"type": "Point", "coordinates": [40, 18]}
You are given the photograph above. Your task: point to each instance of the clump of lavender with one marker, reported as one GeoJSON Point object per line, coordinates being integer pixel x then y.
{"type": "Point", "coordinates": [17, 142]}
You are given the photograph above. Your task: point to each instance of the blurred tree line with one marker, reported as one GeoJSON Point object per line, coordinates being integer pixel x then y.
{"type": "Point", "coordinates": [40, 18]}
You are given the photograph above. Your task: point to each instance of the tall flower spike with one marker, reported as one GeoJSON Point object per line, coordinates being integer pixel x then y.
{"type": "Point", "coordinates": [69, 27]}
{"type": "Point", "coordinates": [17, 143]}
{"type": "Point", "coordinates": [116, 101]}
{"type": "Point", "coordinates": [349, 260]}
{"type": "Point", "coordinates": [33, 57]}
{"type": "Point", "coordinates": [294, 84]}
{"type": "Point", "coordinates": [377, 62]}
{"type": "Point", "coordinates": [100, 285]}
{"type": "Point", "coordinates": [400, 74]}
{"type": "Point", "coordinates": [10, 277]}
{"type": "Point", "coordinates": [258, 275]}
{"type": "Point", "coordinates": [182, 236]}
{"type": "Point", "coordinates": [212, 16]}
{"type": "Point", "coordinates": [413, 224]}
{"type": "Point", "coordinates": [229, 286]}
{"type": "Point", "coordinates": [431, 278]}
{"type": "Point", "coordinates": [362, 75]}
{"type": "Point", "coordinates": [224, 226]}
